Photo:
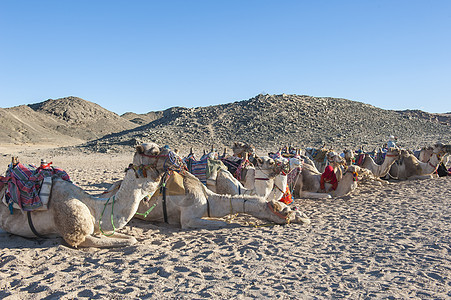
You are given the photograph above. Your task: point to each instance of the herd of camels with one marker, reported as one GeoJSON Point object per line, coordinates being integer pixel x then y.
{"type": "Point", "coordinates": [158, 187]}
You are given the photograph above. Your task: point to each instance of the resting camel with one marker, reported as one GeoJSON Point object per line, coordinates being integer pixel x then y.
{"type": "Point", "coordinates": [409, 167]}
{"type": "Point", "coordinates": [268, 184]}
{"type": "Point", "coordinates": [195, 202]}
{"type": "Point", "coordinates": [79, 218]}
{"type": "Point", "coordinates": [308, 185]}
{"type": "Point", "coordinates": [424, 153]}
{"type": "Point", "coordinates": [319, 157]}
{"type": "Point", "coordinates": [381, 170]}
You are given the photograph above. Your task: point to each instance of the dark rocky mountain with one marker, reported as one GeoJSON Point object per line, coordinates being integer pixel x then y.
{"type": "Point", "coordinates": [445, 118]}
{"type": "Point", "coordinates": [269, 121]}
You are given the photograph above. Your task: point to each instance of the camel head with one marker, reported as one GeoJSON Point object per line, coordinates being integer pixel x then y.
{"type": "Point", "coordinates": [283, 214]}
{"type": "Point", "coordinates": [393, 151]}
{"type": "Point", "coordinates": [441, 148]}
{"type": "Point", "coordinates": [348, 154]}
{"type": "Point", "coordinates": [354, 170]}
{"type": "Point", "coordinates": [240, 148]}
{"type": "Point", "coordinates": [161, 158]}
{"type": "Point", "coordinates": [404, 153]}
{"type": "Point", "coordinates": [270, 165]}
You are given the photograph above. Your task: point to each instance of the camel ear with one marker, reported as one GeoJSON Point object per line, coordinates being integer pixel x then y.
{"type": "Point", "coordinates": [140, 149]}
{"type": "Point", "coordinates": [259, 161]}
{"type": "Point", "coordinates": [154, 151]}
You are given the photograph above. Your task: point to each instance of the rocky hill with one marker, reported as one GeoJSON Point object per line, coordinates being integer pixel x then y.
{"type": "Point", "coordinates": [269, 121]}
{"type": "Point", "coordinates": [62, 121]}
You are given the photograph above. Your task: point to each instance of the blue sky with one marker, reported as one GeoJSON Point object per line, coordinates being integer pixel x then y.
{"type": "Point", "coordinates": [143, 56]}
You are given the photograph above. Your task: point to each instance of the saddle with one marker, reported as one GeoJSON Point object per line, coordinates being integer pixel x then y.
{"type": "Point", "coordinates": [174, 186]}
{"type": "Point", "coordinates": [235, 165]}
{"type": "Point", "coordinates": [204, 167]}
{"type": "Point", "coordinates": [28, 188]}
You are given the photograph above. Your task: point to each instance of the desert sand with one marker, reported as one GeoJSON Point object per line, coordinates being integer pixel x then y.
{"type": "Point", "coordinates": [389, 242]}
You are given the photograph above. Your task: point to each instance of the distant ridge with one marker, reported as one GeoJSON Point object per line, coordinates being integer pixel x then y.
{"type": "Point", "coordinates": [61, 121]}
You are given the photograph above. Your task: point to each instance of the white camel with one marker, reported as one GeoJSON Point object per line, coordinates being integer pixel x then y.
{"type": "Point", "coordinates": [308, 185]}
{"type": "Point", "coordinates": [264, 183]}
{"type": "Point", "coordinates": [409, 167]}
{"type": "Point", "coordinates": [381, 170]}
{"type": "Point", "coordinates": [189, 208]}
{"type": "Point", "coordinates": [424, 154]}
{"type": "Point", "coordinates": [79, 218]}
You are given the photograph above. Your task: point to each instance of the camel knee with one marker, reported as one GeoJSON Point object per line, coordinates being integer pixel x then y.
{"type": "Point", "coordinates": [74, 221]}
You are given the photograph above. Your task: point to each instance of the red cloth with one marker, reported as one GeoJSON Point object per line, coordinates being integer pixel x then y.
{"type": "Point", "coordinates": [287, 198]}
{"type": "Point", "coordinates": [329, 177]}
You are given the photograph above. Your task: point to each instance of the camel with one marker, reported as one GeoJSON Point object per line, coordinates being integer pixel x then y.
{"type": "Point", "coordinates": [240, 149]}
{"type": "Point", "coordinates": [444, 151]}
{"type": "Point", "coordinates": [308, 186]}
{"type": "Point", "coordinates": [318, 156]}
{"type": "Point", "coordinates": [409, 167]}
{"type": "Point", "coordinates": [381, 170]}
{"type": "Point", "coordinates": [188, 209]}
{"type": "Point", "coordinates": [349, 157]}
{"type": "Point", "coordinates": [424, 154]}
{"type": "Point", "coordinates": [264, 183]}
{"type": "Point", "coordinates": [79, 218]}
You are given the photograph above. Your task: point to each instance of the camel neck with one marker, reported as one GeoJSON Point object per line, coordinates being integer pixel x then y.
{"type": "Point", "coordinates": [126, 201]}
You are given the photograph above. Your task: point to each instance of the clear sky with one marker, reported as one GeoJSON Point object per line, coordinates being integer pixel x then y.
{"type": "Point", "coordinates": [141, 56]}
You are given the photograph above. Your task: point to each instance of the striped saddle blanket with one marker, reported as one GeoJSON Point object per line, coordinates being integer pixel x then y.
{"type": "Point", "coordinates": [25, 187]}
{"type": "Point", "coordinates": [204, 167]}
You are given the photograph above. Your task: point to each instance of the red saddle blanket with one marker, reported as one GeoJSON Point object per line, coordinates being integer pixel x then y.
{"type": "Point", "coordinates": [24, 184]}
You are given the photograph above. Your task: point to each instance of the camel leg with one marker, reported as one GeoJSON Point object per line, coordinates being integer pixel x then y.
{"type": "Point", "coordinates": [117, 240]}
{"type": "Point", "coordinates": [203, 223]}
{"type": "Point", "coordinates": [73, 221]}
{"type": "Point", "coordinates": [192, 218]}
{"type": "Point", "coordinates": [414, 177]}
{"type": "Point", "coordinates": [305, 194]}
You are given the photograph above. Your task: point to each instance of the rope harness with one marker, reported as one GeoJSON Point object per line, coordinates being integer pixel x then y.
{"type": "Point", "coordinates": [176, 164]}
{"type": "Point", "coordinates": [33, 229]}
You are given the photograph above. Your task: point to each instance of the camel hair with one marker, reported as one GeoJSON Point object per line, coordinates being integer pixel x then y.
{"type": "Point", "coordinates": [409, 167]}
{"type": "Point", "coordinates": [79, 218]}
{"type": "Point", "coordinates": [381, 170]}
{"type": "Point", "coordinates": [189, 209]}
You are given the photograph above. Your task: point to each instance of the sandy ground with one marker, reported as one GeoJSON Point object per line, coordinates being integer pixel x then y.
{"type": "Point", "coordinates": [391, 242]}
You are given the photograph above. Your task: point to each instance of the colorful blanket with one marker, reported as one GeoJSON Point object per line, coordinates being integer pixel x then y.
{"type": "Point", "coordinates": [203, 168]}
{"type": "Point", "coordinates": [198, 169]}
{"type": "Point", "coordinates": [293, 176]}
{"type": "Point", "coordinates": [235, 165]}
{"type": "Point", "coordinates": [24, 184]}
